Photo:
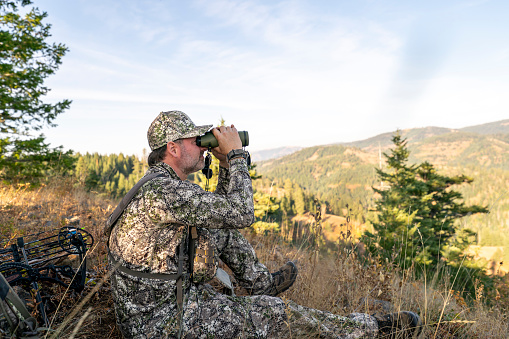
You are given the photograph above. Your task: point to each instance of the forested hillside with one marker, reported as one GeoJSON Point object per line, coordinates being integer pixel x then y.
{"type": "Point", "coordinates": [337, 174]}
{"type": "Point", "coordinates": [344, 174]}
{"type": "Point", "coordinates": [114, 174]}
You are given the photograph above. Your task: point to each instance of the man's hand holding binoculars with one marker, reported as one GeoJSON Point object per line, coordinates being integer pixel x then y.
{"type": "Point", "coordinates": [228, 139]}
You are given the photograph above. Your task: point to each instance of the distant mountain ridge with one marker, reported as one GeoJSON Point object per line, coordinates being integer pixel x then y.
{"type": "Point", "coordinates": [417, 134]}
{"type": "Point", "coordinates": [497, 127]}
{"type": "Point", "coordinates": [383, 140]}
{"type": "Point", "coordinates": [273, 153]}
{"type": "Point", "coordinates": [412, 135]}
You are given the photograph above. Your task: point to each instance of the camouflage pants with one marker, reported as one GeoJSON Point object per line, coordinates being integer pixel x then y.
{"type": "Point", "coordinates": [209, 314]}
{"type": "Point", "coordinates": [212, 314]}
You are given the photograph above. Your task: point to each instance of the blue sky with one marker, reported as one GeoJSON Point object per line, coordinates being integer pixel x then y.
{"type": "Point", "coordinates": [292, 73]}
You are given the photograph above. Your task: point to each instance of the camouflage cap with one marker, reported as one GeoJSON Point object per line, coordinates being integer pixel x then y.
{"type": "Point", "coordinates": [170, 126]}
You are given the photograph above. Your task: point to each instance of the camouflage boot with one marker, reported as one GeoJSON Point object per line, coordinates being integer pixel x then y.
{"type": "Point", "coordinates": [399, 325]}
{"type": "Point", "coordinates": [283, 279]}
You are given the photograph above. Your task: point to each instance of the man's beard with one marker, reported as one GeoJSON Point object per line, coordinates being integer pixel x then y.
{"type": "Point", "coordinates": [192, 166]}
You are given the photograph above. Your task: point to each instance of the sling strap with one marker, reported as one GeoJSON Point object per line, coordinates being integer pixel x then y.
{"type": "Point", "coordinates": [139, 274]}
{"type": "Point", "coordinates": [193, 235]}
{"type": "Point", "coordinates": [110, 223]}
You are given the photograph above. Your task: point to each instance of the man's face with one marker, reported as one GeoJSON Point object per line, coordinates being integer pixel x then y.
{"type": "Point", "coordinates": [191, 159]}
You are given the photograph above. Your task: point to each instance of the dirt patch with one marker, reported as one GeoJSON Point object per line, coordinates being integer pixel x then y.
{"type": "Point", "coordinates": [369, 157]}
{"type": "Point", "coordinates": [313, 157]}
{"type": "Point", "coordinates": [317, 172]}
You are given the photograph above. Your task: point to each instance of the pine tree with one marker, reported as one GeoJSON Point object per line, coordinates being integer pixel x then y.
{"type": "Point", "coordinates": [264, 205]}
{"type": "Point", "coordinates": [26, 60]}
{"type": "Point", "coordinates": [285, 205]}
{"type": "Point", "coordinates": [289, 207]}
{"type": "Point", "coordinates": [298, 197]}
{"type": "Point", "coordinates": [416, 214]}
{"type": "Point", "coordinates": [122, 189]}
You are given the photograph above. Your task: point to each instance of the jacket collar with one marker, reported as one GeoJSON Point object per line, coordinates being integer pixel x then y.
{"type": "Point", "coordinates": [162, 167]}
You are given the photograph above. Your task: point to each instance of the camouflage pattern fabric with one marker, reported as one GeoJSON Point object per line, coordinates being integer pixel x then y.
{"type": "Point", "coordinates": [209, 314]}
{"type": "Point", "coordinates": [147, 238]}
{"type": "Point", "coordinates": [170, 126]}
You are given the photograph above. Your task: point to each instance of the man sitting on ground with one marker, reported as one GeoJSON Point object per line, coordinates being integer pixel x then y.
{"type": "Point", "coordinates": [166, 243]}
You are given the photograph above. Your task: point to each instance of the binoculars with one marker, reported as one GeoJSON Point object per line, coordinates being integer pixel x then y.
{"type": "Point", "coordinates": [209, 140]}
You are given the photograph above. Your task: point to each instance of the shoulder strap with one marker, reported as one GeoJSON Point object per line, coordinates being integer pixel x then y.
{"type": "Point", "coordinates": [110, 223]}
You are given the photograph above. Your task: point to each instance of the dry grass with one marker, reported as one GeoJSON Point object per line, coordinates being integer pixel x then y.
{"type": "Point", "coordinates": [25, 210]}
{"type": "Point", "coordinates": [335, 282]}
{"type": "Point", "coordinates": [342, 285]}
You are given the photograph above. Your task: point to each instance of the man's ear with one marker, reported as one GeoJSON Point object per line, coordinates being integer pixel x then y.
{"type": "Point", "coordinates": [173, 149]}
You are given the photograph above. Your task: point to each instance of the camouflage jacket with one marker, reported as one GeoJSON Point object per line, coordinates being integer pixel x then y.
{"type": "Point", "coordinates": [148, 234]}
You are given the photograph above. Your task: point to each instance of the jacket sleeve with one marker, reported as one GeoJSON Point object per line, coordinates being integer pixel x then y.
{"type": "Point", "coordinates": [182, 202]}
{"type": "Point", "coordinates": [223, 179]}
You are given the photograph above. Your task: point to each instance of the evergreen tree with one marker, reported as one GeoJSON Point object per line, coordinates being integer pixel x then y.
{"type": "Point", "coordinates": [285, 205]}
{"type": "Point", "coordinates": [26, 60]}
{"type": "Point", "coordinates": [264, 205]}
{"type": "Point", "coordinates": [416, 215]}
{"type": "Point", "coordinates": [92, 180]}
{"type": "Point", "coordinates": [122, 189]}
{"type": "Point", "coordinates": [298, 197]}
{"type": "Point", "coordinates": [289, 207]}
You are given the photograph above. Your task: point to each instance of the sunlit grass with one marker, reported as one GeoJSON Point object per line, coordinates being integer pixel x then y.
{"type": "Point", "coordinates": [340, 280]}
